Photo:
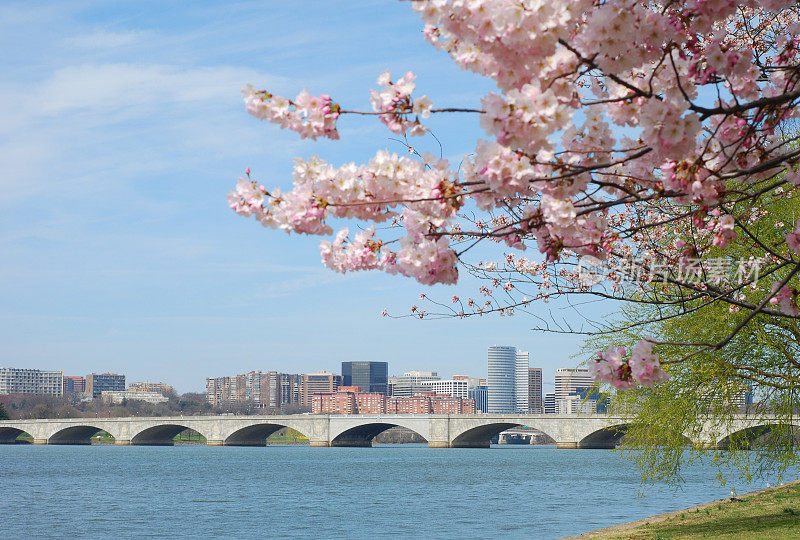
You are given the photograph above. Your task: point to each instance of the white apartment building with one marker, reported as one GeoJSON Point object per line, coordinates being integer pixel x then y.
{"type": "Point", "coordinates": [521, 382]}
{"type": "Point", "coordinates": [454, 388]}
{"type": "Point", "coordinates": [31, 381]}
{"type": "Point", "coordinates": [576, 405]}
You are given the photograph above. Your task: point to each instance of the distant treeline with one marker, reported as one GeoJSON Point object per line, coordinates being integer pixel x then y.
{"type": "Point", "coordinates": [28, 406]}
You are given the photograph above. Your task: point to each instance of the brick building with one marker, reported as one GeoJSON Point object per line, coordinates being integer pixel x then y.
{"type": "Point", "coordinates": [317, 383]}
{"type": "Point", "coordinates": [73, 385]}
{"type": "Point", "coordinates": [349, 400]}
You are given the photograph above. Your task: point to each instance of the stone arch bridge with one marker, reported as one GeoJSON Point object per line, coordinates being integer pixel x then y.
{"type": "Point", "coordinates": [441, 431]}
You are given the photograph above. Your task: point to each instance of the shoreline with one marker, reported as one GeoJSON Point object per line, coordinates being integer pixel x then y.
{"type": "Point", "coordinates": [659, 518]}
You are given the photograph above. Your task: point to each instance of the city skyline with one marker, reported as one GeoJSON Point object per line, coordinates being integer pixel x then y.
{"type": "Point", "coordinates": [255, 384]}
{"type": "Point", "coordinates": [142, 375]}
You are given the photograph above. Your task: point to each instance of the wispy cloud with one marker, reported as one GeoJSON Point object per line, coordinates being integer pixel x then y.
{"type": "Point", "coordinates": [103, 40]}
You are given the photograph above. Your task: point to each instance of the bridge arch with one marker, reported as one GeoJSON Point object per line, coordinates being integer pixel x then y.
{"type": "Point", "coordinates": [80, 434]}
{"type": "Point", "coordinates": [9, 435]}
{"type": "Point", "coordinates": [749, 437]}
{"type": "Point", "coordinates": [609, 437]}
{"type": "Point", "coordinates": [256, 434]}
{"type": "Point", "coordinates": [481, 436]}
{"type": "Point", "coordinates": [361, 435]}
{"type": "Point", "coordinates": [161, 434]}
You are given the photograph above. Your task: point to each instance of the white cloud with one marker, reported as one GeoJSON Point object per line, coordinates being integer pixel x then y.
{"type": "Point", "coordinates": [108, 87]}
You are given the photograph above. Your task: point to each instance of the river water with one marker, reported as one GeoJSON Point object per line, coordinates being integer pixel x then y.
{"type": "Point", "coordinates": [402, 490]}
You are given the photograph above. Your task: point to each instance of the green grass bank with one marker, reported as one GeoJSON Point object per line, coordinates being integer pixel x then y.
{"type": "Point", "coordinates": [772, 513]}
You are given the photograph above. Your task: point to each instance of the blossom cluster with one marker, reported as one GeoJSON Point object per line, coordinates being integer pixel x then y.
{"type": "Point", "coordinates": [793, 239]}
{"type": "Point", "coordinates": [372, 192]}
{"type": "Point", "coordinates": [784, 298]}
{"type": "Point", "coordinates": [310, 116]}
{"type": "Point", "coordinates": [643, 367]}
{"type": "Point", "coordinates": [394, 104]}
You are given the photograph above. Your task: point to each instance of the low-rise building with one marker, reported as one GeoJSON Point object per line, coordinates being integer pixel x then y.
{"type": "Point", "coordinates": [576, 404]}
{"type": "Point", "coordinates": [452, 387]}
{"type": "Point", "coordinates": [117, 397]}
{"type": "Point", "coordinates": [408, 405]}
{"type": "Point", "coordinates": [429, 403]}
{"type": "Point", "coordinates": [351, 400]}
{"type": "Point", "coordinates": [160, 387]}
{"type": "Point", "coordinates": [370, 403]}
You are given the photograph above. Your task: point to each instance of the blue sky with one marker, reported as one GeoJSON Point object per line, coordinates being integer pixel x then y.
{"type": "Point", "coordinates": [121, 131]}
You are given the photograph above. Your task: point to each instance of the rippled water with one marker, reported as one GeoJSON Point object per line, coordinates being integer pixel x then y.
{"type": "Point", "coordinates": [406, 490]}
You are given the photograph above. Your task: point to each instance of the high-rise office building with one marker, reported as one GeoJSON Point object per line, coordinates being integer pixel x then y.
{"type": "Point", "coordinates": [550, 403]}
{"type": "Point", "coordinates": [569, 384]}
{"type": "Point", "coordinates": [409, 382]}
{"type": "Point", "coordinates": [501, 380]}
{"type": "Point", "coordinates": [521, 382]}
{"type": "Point", "coordinates": [473, 381]}
{"type": "Point", "coordinates": [371, 377]}
{"type": "Point", "coordinates": [535, 402]}
{"type": "Point", "coordinates": [97, 383]}
{"type": "Point", "coordinates": [317, 383]}
{"type": "Point", "coordinates": [571, 381]}
{"type": "Point", "coordinates": [480, 395]}
{"type": "Point", "coordinates": [31, 381]}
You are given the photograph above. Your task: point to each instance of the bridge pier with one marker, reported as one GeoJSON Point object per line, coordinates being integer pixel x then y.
{"type": "Point", "coordinates": [319, 444]}
{"type": "Point", "coordinates": [705, 446]}
{"type": "Point", "coordinates": [469, 444]}
{"type": "Point", "coordinates": [438, 444]}
{"type": "Point", "coordinates": [351, 443]}
{"type": "Point", "coordinates": [210, 442]}
{"type": "Point", "coordinates": [597, 446]}
{"type": "Point", "coordinates": [39, 441]}
{"type": "Point", "coordinates": [122, 442]}
{"type": "Point", "coordinates": [566, 445]}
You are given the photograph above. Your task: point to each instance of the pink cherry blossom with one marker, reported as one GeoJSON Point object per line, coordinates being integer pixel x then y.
{"type": "Point", "coordinates": [310, 116]}
{"type": "Point", "coordinates": [394, 104]}
{"type": "Point", "coordinates": [793, 238]}
{"type": "Point", "coordinates": [645, 365]}
{"type": "Point", "coordinates": [724, 231]}
{"type": "Point", "coordinates": [784, 298]}
{"type": "Point", "coordinates": [612, 126]}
